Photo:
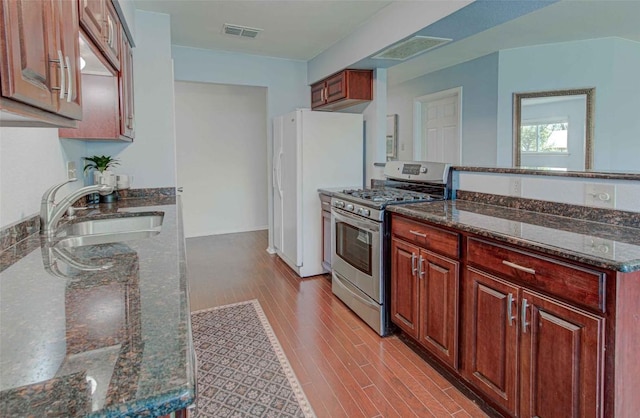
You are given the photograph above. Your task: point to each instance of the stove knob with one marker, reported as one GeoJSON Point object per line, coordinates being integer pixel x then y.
{"type": "Point", "coordinates": [350, 207]}
{"type": "Point", "coordinates": [365, 212]}
{"type": "Point", "coordinates": [423, 169]}
{"type": "Point", "coordinates": [338, 204]}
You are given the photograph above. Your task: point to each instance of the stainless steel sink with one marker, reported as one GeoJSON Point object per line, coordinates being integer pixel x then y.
{"type": "Point", "coordinates": [95, 239]}
{"type": "Point", "coordinates": [112, 225]}
{"type": "Point", "coordinates": [109, 230]}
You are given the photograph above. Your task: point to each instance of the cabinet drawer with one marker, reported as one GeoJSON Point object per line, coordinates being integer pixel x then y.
{"type": "Point", "coordinates": [325, 202]}
{"type": "Point", "coordinates": [429, 237]}
{"type": "Point", "coordinates": [577, 284]}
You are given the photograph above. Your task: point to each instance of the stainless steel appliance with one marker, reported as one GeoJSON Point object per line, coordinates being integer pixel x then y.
{"type": "Point", "coordinates": [359, 271]}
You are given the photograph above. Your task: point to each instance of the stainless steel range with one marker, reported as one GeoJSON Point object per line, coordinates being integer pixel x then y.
{"type": "Point", "coordinates": [360, 275]}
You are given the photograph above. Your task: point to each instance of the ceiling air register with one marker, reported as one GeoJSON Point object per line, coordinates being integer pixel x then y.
{"type": "Point", "coordinates": [411, 47]}
{"type": "Point", "coordinates": [242, 31]}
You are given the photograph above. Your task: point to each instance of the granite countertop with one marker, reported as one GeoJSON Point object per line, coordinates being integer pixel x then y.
{"type": "Point", "coordinates": [593, 243]}
{"type": "Point", "coordinates": [77, 340]}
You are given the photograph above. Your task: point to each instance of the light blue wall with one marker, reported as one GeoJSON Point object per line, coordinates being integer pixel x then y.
{"type": "Point", "coordinates": [286, 80]}
{"type": "Point", "coordinates": [611, 65]}
{"type": "Point", "coordinates": [479, 81]}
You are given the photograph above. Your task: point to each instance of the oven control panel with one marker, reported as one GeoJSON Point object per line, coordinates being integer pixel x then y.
{"type": "Point", "coordinates": [356, 209]}
{"type": "Point", "coordinates": [423, 171]}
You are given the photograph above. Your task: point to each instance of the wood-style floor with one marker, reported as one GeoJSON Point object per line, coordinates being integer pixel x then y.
{"type": "Point", "coordinates": [345, 368]}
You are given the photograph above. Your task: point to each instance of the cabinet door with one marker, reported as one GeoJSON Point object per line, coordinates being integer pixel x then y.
{"type": "Point", "coordinates": [404, 286]}
{"type": "Point", "coordinates": [491, 337]}
{"type": "Point", "coordinates": [326, 239]}
{"type": "Point", "coordinates": [29, 71]}
{"type": "Point", "coordinates": [336, 87]}
{"type": "Point", "coordinates": [561, 364]}
{"type": "Point", "coordinates": [127, 115]}
{"type": "Point", "coordinates": [438, 278]}
{"type": "Point", "coordinates": [92, 17]}
{"type": "Point", "coordinates": [67, 31]}
{"type": "Point", "coordinates": [317, 94]}
{"type": "Point", "coordinates": [113, 32]}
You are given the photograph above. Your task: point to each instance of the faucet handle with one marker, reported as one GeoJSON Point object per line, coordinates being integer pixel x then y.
{"type": "Point", "coordinates": [50, 194]}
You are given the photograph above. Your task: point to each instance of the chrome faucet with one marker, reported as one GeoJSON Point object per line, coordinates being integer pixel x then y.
{"type": "Point", "coordinates": [51, 212]}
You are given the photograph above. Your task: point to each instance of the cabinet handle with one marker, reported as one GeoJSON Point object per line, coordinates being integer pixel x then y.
{"type": "Point", "coordinates": [414, 268]}
{"type": "Point", "coordinates": [518, 267]}
{"type": "Point", "coordinates": [510, 302]}
{"type": "Point", "coordinates": [322, 95]}
{"type": "Point", "coordinates": [419, 234]}
{"type": "Point", "coordinates": [60, 62]}
{"type": "Point", "coordinates": [421, 271]}
{"type": "Point", "coordinates": [523, 319]}
{"type": "Point", "coordinates": [69, 79]}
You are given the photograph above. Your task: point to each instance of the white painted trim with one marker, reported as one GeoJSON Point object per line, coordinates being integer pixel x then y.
{"type": "Point", "coordinates": [418, 104]}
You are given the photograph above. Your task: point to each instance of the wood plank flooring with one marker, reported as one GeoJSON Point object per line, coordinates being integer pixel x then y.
{"type": "Point", "coordinates": [345, 368]}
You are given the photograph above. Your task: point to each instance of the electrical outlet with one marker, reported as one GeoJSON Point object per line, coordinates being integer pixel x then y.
{"type": "Point", "coordinates": [600, 195]}
{"type": "Point", "coordinates": [71, 170]}
{"type": "Point", "coordinates": [515, 186]}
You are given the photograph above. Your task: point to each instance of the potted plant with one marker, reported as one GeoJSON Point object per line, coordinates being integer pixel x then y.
{"type": "Point", "coordinates": [100, 164]}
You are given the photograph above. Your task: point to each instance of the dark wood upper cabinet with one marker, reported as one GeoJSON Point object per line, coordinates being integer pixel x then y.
{"type": "Point", "coordinates": [39, 67]}
{"type": "Point", "coordinates": [127, 115]}
{"type": "Point", "coordinates": [100, 21]}
{"type": "Point", "coordinates": [343, 89]}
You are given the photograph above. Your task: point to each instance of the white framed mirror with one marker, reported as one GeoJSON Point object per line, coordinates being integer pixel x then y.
{"type": "Point", "coordinates": [554, 129]}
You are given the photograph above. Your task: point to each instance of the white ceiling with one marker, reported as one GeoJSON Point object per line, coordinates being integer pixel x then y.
{"type": "Point", "coordinates": [301, 29]}
{"type": "Point", "coordinates": [297, 30]}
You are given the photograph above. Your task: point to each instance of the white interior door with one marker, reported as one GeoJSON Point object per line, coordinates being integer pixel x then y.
{"type": "Point", "coordinates": [439, 123]}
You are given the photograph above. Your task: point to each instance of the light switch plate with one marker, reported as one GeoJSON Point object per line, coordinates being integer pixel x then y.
{"type": "Point", "coordinates": [71, 170]}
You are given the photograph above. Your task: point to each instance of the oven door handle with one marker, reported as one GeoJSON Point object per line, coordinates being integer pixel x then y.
{"type": "Point", "coordinates": [358, 222]}
{"type": "Point", "coordinates": [339, 280]}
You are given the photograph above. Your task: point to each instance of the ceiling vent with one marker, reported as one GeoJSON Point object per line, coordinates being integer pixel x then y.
{"type": "Point", "coordinates": [243, 31]}
{"type": "Point", "coordinates": [411, 47]}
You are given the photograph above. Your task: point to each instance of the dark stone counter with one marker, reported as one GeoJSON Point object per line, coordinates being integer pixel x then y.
{"type": "Point", "coordinates": [598, 244]}
{"type": "Point", "coordinates": [101, 330]}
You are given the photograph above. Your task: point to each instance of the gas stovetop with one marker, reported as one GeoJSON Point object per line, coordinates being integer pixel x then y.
{"type": "Point", "coordinates": [386, 196]}
{"type": "Point", "coordinates": [407, 182]}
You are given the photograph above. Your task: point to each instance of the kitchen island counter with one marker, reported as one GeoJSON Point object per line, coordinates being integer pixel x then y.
{"type": "Point", "coordinates": [98, 330]}
{"type": "Point", "coordinates": [593, 243]}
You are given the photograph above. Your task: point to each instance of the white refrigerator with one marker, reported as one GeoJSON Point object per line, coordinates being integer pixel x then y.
{"type": "Point", "coordinates": [311, 150]}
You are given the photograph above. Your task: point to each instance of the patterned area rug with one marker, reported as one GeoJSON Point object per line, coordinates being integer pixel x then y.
{"type": "Point", "coordinates": [242, 369]}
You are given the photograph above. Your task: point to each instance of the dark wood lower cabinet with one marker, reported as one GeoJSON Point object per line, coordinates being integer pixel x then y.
{"type": "Point", "coordinates": [424, 299]}
{"type": "Point", "coordinates": [561, 363]}
{"type": "Point", "coordinates": [529, 334]}
{"type": "Point", "coordinates": [491, 337]}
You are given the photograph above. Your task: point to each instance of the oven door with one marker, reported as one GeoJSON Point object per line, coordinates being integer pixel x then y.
{"type": "Point", "coordinates": [356, 251]}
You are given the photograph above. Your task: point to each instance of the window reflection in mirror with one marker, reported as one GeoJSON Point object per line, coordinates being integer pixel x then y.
{"type": "Point", "coordinates": [554, 129]}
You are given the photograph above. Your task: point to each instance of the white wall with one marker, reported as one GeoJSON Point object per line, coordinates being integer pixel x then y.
{"type": "Point", "coordinates": [285, 80]}
{"type": "Point", "coordinates": [151, 157]}
{"type": "Point", "coordinates": [31, 161]}
{"type": "Point", "coordinates": [221, 136]}
{"type": "Point", "coordinates": [610, 65]}
{"type": "Point", "coordinates": [570, 190]}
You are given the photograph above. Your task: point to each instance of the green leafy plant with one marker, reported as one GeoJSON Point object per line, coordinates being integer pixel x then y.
{"type": "Point", "coordinates": [100, 162]}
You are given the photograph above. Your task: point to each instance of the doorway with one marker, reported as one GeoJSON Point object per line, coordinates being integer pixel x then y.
{"type": "Point", "coordinates": [438, 127]}
{"type": "Point", "coordinates": [221, 153]}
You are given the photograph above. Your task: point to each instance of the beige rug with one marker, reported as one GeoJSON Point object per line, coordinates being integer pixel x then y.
{"type": "Point", "coordinates": [242, 369]}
